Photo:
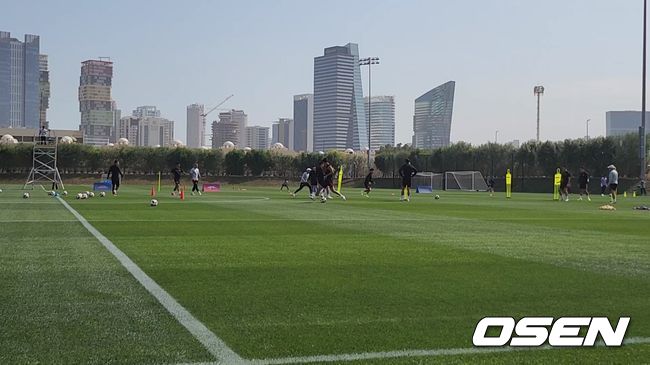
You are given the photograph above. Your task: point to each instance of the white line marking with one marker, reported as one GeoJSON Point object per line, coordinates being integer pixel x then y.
{"type": "Point", "coordinates": [414, 353]}
{"type": "Point", "coordinates": [207, 338]}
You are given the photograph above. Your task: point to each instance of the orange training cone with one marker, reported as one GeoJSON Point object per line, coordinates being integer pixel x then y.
{"type": "Point", "coordinates": [153, 192]}
{"type": "Point", "coordinates": [182, 194]}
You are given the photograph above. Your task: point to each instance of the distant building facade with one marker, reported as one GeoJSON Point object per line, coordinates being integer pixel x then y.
{"type": "Point", "coordinates": [257, 137]}
{"type": "Point", "coordinates": [147, 131]}
{"type": "Point", "coordinates": [195, 125]}
{"type": "Point", "coordinates": [382, 121]}
{"type": "Point", "coordinates": [303, 123]}
{"type": "Point", "coordinates": [231, 127]}
{"type": "Point", "coordinates": [619, 123]}
{"type": "Point", "coordinates": [339, 114]}
{"type": "Point", "coordinates": [432, 119]}
{"type": "Point", "coordinates": [20, 94]}
{"type": "Point", "coordinates": [95, 103]}
{"type": "Point", "coordinates": [117, 115]}
{"type": "Point", "coordinates": [44, 90]}
{"type": "Point", "coordinates": [283, 132]}
{"type": "Point", "coordinates": [146, 111]}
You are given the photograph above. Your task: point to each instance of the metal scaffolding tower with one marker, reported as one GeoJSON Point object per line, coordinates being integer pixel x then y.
{"type": "Point", "coordinates": [44, 166]}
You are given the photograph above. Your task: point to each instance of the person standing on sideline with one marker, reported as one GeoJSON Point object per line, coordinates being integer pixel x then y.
{"type": "Point", "coordinates": [115, 174]}
{"type": "Point", "coordinates": [613, 182]}
{"type": "Point", "coordinates": [367, 184]}
{"type": "Point", "coordinates": [177, 172]}
{"type": "Point", "coordinates": [583, 181]}
{"type": "Point", "coordinates": [285, 184]}
{"type": "Point", "coordinates": [406, 172]}
{"type": "Point", "coordinates": [642, 190]}
{"type": "Point", "coordinates": [195, 175]}
{"type": "Point", "coordinates": [304, 182]}
{"type": "Point", "coordinates": [603, 185]}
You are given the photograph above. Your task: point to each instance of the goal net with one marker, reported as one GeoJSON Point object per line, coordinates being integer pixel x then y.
{"type": "Point", "coordinates": [465, 180]}
{"type": "Point", "coordinates": [426, 182]}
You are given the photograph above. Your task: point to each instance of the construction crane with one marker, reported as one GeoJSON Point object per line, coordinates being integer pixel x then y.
{"type": "Point", "coordinates": [218, 105]}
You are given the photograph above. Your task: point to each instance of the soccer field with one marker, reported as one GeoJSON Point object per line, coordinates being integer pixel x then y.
{"type": "Point", "coordinates": [257, 275]}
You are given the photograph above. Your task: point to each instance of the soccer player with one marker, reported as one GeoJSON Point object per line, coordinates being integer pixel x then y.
{"type": "Point", "coordinates": [613, 182]}
{"type": "Point", "coordinates": [406, 172]}
{"type": "Point", "coordinates": [642, 190]}
{"type": "Point", "coordinates": [603, 185]}
{"type": "Point", "coordinates": [285, 184]}
{"type": "Point", "coordinates": [177, 172]}
{"type": "Point", "coordinates": [583, 181]}
{"type": "Point", "coordinates": [304, 182]}
{"type": "Point", "coordinates": [367, 184]}
{"type": "Point", "coordinates": [115, 174]}
{"type": "Point", "coordinates": [490, 184]}
{"type": "Point", "coordinates": [313, 181]}
{"type": "Point", "coordinates": [564, 184]}
{"type": "Point", "coordinates": [329, 172]}
{"type": "Point", "coordinates": [195, 174]}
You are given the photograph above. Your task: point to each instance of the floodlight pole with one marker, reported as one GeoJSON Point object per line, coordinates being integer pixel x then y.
{"type": "Point", "coordinates": [538, 91]}
{"type": "Point", "coordinates": [642, 134]}
{"type": "Point", "coordinates": [588, 120]}
{"type": "Point", "coordinates": [369, 61]}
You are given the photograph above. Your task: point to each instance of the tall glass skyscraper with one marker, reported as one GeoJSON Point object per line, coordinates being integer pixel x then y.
{"type": "Point", "coordinates": [95, 103]}
{"type": "Point", "coordinates": [303, 123]}
{"type": "Point", "coordinates": [20, 95]}
{"type": "Point", "coordinates": [195, 126]}
{"type": "Point", "coordinates": [339, 114]}
{"type": "Point", "coordinates": [432, 119]}
{"type": "Point", "coordinates": [382, 121]}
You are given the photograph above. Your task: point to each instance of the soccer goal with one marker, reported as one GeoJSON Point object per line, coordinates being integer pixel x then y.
{"type": "Point", "coordinates": [465, 180]}
{"type": "Point", "coordinates": [426, 182]}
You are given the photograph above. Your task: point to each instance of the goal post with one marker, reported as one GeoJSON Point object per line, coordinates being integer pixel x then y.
{"type": "Point", "coordinates": [465, 180]}
{"type": "Point", "coordinates": [426, 182]}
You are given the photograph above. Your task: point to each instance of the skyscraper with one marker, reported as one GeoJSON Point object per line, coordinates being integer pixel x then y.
{"type": "Point", "coordinates": [20, 101]}
{"type": "Point", "coordinates": [432, 119]}
{"type": "Point", "coordinates": [117, 115]}
{"type": "Point", "coordinates": [283, 132]}
{"type": "Point", "coordinates": [257, 137]}
{"type": "Point", "coordinates": [619, 123]}
{"type": "Point", "coordinates": [44, 90]}
{"type": "Point", "coordinates": [303, 122]}
{"type": "Point", "coordinates": [147, 131]}
{"type": "Point", "coordinates": [146, 111]}
{"type": "Point", "coordinates": [382, 121]}
{"type": "Point", "coordinates": [195, 126]}
{"type": "Point", "coordinates": [95, 103]}
{"type": "Point", "coordinates": [339, 114]}
{"type": "Point", "coordinates": [230, 127]}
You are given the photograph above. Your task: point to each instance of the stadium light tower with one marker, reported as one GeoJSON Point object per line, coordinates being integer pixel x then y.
{"type": "Point", "coordinates": [538, 91]}
{"type": "Point", "coordinates": [642, 130]}
{"type": "Point", "coordinates": [588, 120]}
{"type": "Point", "coordinates": [369, 61]}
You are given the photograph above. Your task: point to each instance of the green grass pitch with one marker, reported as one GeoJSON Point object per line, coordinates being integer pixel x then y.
{"type": "Point", "coordinates": [278, 277]}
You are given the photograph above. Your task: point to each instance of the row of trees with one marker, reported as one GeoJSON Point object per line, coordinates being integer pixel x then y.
{"type": "Point", "coordinates": [530, 159]}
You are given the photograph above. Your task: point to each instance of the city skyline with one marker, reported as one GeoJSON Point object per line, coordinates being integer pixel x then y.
{"type": "Point", "coordinates": [513, 57]}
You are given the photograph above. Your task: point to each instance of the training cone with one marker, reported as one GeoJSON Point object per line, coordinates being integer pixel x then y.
{"type": "Point", "coordinates": [182, 194]}
{"type": "Point", "coordinates": [625, 194]}
{"type": "Point", "coordinates": [153, 192]}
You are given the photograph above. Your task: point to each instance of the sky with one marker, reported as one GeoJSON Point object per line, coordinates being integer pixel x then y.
{"type": "Point", "coordinates": [586, 53]}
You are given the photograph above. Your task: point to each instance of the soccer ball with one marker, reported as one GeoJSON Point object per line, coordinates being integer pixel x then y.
{"type": "Point", "coordinates": [0, 190]}
{"type": "Point", "coordinates": [102, 194]}
{"type": "Point", "coordinates": [65, 193]}
{"type": "Point", "coordinates": [84, 196]}
{"type": "Point", "coordinates": [87, 193]}
{"type": "Point", "coordinates": [25, 195]}
{"type": "Point", "coordinates": [154, 203]}
{"type": "Point", "coordinates": [79, 196]}
{"type": "Point", "coordinates": [323, 199]}
{"type": "Point", "coordinates": [437, 197]}
{"type": "Point", "coordinates": [91, 194]}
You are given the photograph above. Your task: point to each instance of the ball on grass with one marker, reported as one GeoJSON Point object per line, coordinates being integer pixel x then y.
{"type": "Point", "coordinates": [437, 197]}
{"type": "Point", "coordinates": [102, 194]}
{"type": "Point", "coordinates": [91, 194]}
{"type": "Point", "coordinates": [154, 203]}
{"type": "Point", "coordinates": [79, 196]}
{"type": "Point", "coordinates": [65, 193]}
{"type": "Point", "coordinates": [25, 195]}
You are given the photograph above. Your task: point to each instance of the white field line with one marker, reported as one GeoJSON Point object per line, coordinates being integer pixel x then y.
{"type": "Point", "coordinates": [411, 353]}
{"type": "Point", "coordinates": [296, 219]}
{"type": "Point", "coordinates": [207, 338]}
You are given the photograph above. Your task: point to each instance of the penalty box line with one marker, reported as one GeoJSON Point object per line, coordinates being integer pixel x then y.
{"type": "Point", "coordinates": [216, 346]}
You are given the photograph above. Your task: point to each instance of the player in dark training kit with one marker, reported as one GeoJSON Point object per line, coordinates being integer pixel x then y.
{"type": "Point", "coordinates": [116, 175]}
{"type": "Point", "coordinates": [367, 184]}
{"type": "Point", "coordinates": [583, 181]}
{"type": "Point", "coordinates": [406, 172]}
{"type": "Point", "coordinates": [177, 172]}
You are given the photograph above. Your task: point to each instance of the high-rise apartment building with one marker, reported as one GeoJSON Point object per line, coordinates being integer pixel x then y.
{"type": "Point", "coordinates": [20, 94]}
{"type": "Point", "coordinates": [44, 90]}
{"type": "Point", "coordinates": [282, 132]}
{"type": "Point", "coordinates": [257, 137]}
{"type": "Point", "coordinates": [339, 114]}
{"type": "Point", "coordinates": [146, 111]}
{"type": "Point", "coordinates": [231, 127]}
{"type": "Point", "coordinates": [117, 115]}
{"type": "Point", "coordinates": [195, 125]}
{"type": "Point", "coordinates": [618, 123]}
{"type": "Point", "coordinates": [147, 131]}
{"type": "Point", "coordinates": [382, 121]}
{"type": "Point", "coordinates": [303, 123]}
{"type": "Point", "coordinates": [432, 119]}
{"type": "Point", "coordinates": [95, 103]}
